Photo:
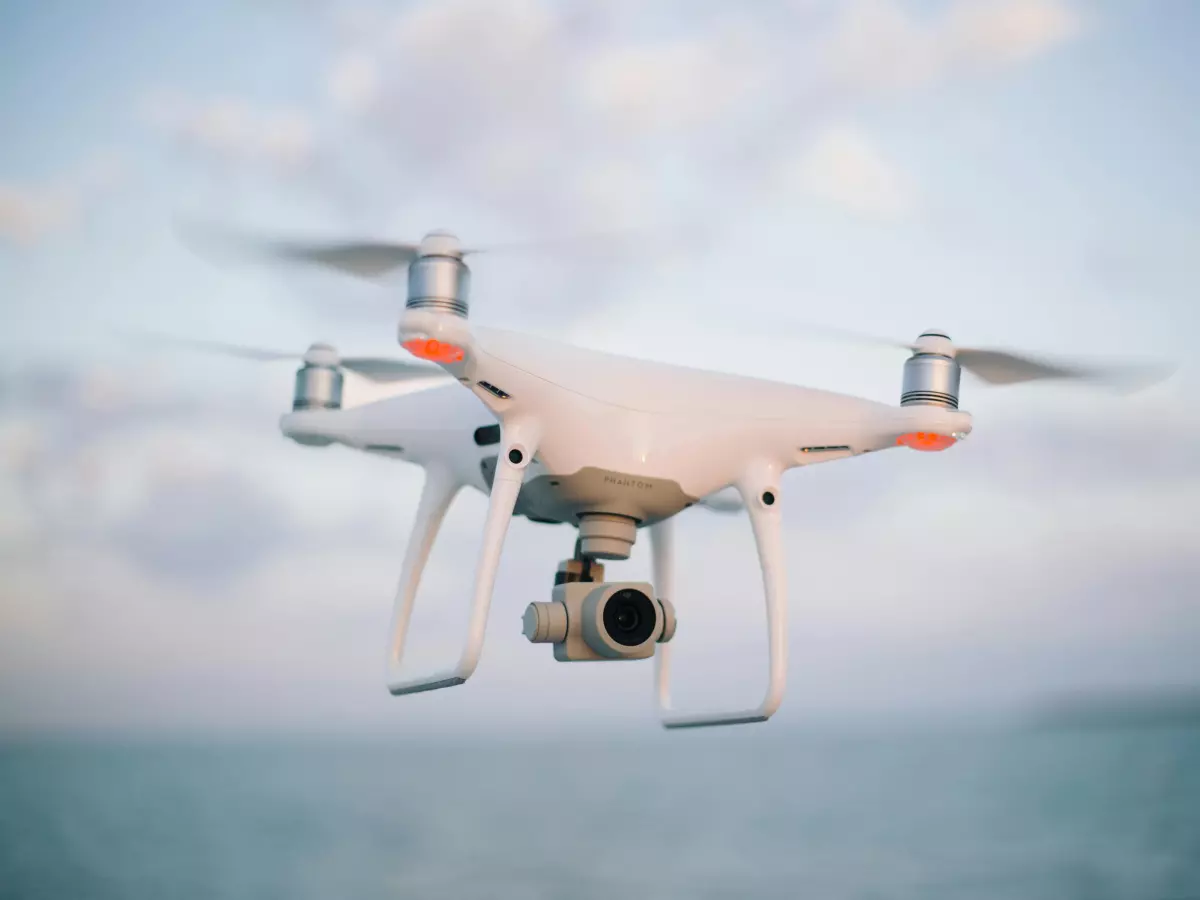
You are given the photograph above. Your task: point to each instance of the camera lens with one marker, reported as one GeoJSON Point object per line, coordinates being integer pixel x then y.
{"type": "Point", "coordinates": [629, 617]}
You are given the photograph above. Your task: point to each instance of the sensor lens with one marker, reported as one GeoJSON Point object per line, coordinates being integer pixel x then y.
{"type": "Point", "coordinates": [629, 617]}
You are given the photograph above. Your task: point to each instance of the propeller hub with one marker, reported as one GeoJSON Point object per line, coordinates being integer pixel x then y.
{"type": "Point", "coordinates": [321, 354]}
{"type": "Point", "coordinates": [440, 243]}
{"type": "Point", "coordinates": [935, 342]}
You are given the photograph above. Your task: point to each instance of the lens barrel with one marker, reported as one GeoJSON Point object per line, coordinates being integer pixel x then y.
{"type": "Point", "coordinates": [629, 617]}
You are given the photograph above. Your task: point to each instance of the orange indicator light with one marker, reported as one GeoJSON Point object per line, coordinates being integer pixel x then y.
{"type": "Point", "coordinates": [925, 440]}
{"type": "Point", "coordinates": [434, 351]}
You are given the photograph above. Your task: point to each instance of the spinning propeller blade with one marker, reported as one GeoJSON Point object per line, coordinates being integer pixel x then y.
{"type": "Point", "coordinates": [366, 259]}
{"type": "Point", "coordinates": [1004, 367]}
{"type": "Point", "coordinates": [382, 370]}
{"type": "Point", "coordinates": [386, 370]}
{"type": "Point", "coordinates": [1001, 367]}
{"type": "Point", "coordinates": [374, 259]}
{"type": "Point", "coordinates": [235, 350]}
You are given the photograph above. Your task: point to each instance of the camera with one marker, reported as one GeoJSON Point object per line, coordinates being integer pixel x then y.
{"type": "Point", "coordinates": [586, 621]}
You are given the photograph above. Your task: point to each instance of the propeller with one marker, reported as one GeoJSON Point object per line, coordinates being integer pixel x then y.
{"type": "Point", "coordinates": [370, 259]}
{"type": "Point", "coordinates": [1002, 367]}
{"type": "Point", "coordinates": [373, 259]}
{"type": "Point", "coordinates": [365, 259]}
{"type": "Point", "coordinates": [380, 369]}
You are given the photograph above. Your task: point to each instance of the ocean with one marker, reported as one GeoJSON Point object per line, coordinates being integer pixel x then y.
{"type": "Point", "coordinates": [753, 812]}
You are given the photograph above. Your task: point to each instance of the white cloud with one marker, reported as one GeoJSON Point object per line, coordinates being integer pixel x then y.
{"type": "Point", "coordinates": [493, 32]}
{"type": "Point", "coordinates": [989, 33]}
{"type": "Point", "coordinates": [353, 82]}
{"type": "Point", "coordinates": [881, 46]}
{"type": "Point", "coordinates": [30, 213]}
{"type": "Point", "coordinates": [877, 45]}
{"type": "Point", "coordinates": [675, 84]}
{"type": "Point", "coordinates": [533, 121]}
{"type": "Point", "coordinates": [286, 137]}
{"type": "Point", "coordinates": [841, 165]}
{"type": "Point", "coordinates": [543, 104]}
{"type": "Point", "coordinates": [233, 129]}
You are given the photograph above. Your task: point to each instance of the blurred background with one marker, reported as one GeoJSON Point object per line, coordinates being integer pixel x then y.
{"type": "Point", "coordinates": [995, 651]}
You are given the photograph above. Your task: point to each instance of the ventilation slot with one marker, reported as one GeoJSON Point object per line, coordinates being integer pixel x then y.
{"type": "Point", "coordinates": [492, 389]}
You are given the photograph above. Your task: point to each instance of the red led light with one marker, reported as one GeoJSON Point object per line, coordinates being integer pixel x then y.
{"type": "Point", "coordinates": [434, 351]}
{"type": "Point", "coordinates": [925, 440]}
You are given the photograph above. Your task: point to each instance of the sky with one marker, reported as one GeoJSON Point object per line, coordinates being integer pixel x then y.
{"type": "Point", "coordinates": [1019, 173]}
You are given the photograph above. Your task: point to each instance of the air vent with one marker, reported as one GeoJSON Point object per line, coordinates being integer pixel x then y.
{"type": "Point", "coordinates": [392, 448]}
{"type": "Point", "coordinates": [492, 389]}
{"type": "Point", "coordinates": [829, 449]}
{"type": "Point", "coordinates": [487, 435]}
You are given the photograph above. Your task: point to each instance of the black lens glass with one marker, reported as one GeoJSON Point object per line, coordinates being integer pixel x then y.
{"type": "Point", "coordinates": [629, 617]}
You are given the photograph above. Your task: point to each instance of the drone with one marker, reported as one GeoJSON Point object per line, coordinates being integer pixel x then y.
{"type": "Point", "coordinates": [613, 446]}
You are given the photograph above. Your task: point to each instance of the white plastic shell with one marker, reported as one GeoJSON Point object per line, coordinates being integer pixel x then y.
{"type": "Point", "coordinates": [606, 536]}
{"type": "Point", "coordinates": [568, 408]}
{"type": "Point", "coordinates": [545, 623]}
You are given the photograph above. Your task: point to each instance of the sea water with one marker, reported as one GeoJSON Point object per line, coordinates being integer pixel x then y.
{"type": "Point", "coordinates": [1001, 814]}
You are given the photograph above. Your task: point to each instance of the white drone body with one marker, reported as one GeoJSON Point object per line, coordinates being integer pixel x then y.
{"type": "Point", "coordinates": [428, 420]}
{"type": "Point", "coordinates": [606, 443]}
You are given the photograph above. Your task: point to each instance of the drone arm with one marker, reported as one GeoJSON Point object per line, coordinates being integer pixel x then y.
{"type": "Point", "coordinates": [435, 500]}
{"type": "Point", "coordinates": [766, 523]}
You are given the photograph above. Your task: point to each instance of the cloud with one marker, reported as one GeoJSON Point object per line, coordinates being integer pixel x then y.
{"type": "Point", "coordinates": [555, 120]}
{"type": "Point", "coordinates": [353, 82]}
{"type": "Point", "coordinates": [233, 130]}
{"type": "Point", "coordinates": [986, 33]}
{"type": "Point", "coordinates": [1139, 447]}
{"type": "Point", "coordinates": [879, 46]}
{"type": "Point", "coordinates": [202, 529]}
{"type": "Point", "coordinates": [842, 166]}
{"type": "Point", "coordinates": [581, 88]}
{"type": "Point", "coordinates": [78, 440]}
{"type": "Point", "coordinates": [28, 214]}
{"type": "Point", "coordinates": [676, 85]}
{"type": "Point", "coordinates": [175, 546]}
{"type": "Point", "coordinates": [31, 213]}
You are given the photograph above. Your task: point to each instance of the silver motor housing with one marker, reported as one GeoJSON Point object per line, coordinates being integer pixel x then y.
{"type": "Point", "coordinates": [930, 379]}
{"type": "Point", "coordinates": [440, 283]}
{"type": "Point", "coordinates": [318, 386]}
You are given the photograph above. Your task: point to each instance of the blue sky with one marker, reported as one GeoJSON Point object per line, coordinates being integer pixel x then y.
{"type": "Point", "coordinates": [1018, 172]}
